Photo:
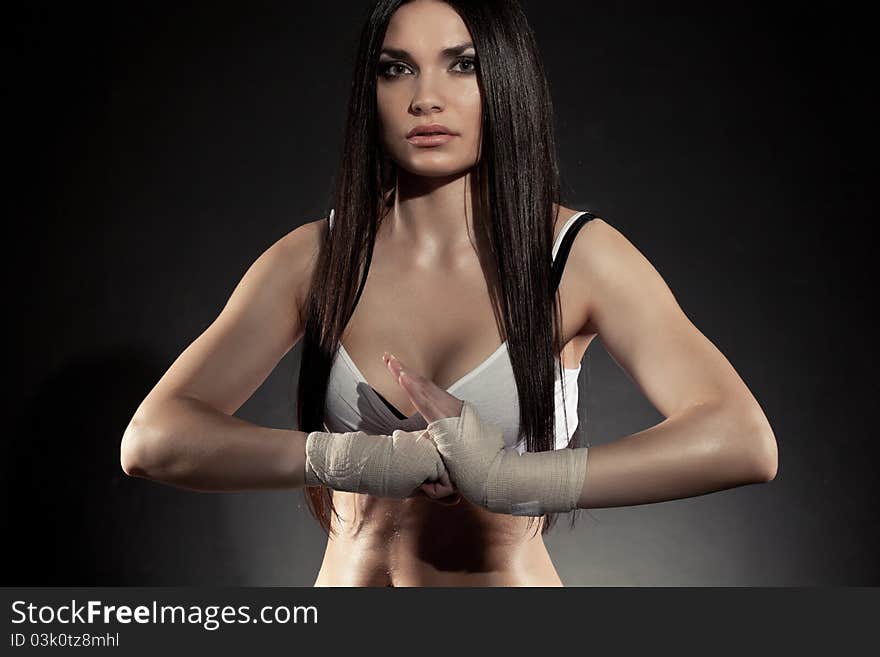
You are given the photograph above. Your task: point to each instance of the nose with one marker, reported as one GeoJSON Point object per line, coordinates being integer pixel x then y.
{"type": "Point", "coordinates": [426, 97]}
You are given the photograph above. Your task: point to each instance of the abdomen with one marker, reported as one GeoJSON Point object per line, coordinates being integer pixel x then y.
{"type": "Point", "coordinates": [419, 542]}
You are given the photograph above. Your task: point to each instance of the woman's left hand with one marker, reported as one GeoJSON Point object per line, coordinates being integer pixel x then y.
{"type": "Point", "coordinates": [433, 403]}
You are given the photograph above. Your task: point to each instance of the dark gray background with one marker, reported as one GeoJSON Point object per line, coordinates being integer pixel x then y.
{"type": "Point", "coordinates": [155, 153]}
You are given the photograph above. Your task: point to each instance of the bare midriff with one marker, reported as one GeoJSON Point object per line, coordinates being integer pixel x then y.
{"type": "Point", "coordinates": [420, 542]}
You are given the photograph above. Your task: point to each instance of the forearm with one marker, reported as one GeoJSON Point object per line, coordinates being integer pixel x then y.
{"type": "Point", "coordinates": [698, 451]}
{"type": "Point", "coordinates": [190, 444]}
{"type": "Point", "coordinates": [706, 448]}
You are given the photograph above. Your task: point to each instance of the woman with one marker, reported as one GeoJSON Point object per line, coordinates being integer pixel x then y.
{"type": "Point", "coordinates": [404, 458]}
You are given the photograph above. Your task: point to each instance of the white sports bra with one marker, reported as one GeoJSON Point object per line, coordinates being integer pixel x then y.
{"type": "Point", "coordinates": [352, 404]}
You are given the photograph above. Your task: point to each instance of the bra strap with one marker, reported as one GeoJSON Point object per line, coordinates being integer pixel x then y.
{"type": "Point", "coordinates": [570, 232]}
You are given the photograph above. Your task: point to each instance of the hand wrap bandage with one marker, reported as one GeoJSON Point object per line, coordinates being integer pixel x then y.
{"type": "Point", "coordinates": [357, 462]}
{"type": "Point", "coordinates": [503, 480]}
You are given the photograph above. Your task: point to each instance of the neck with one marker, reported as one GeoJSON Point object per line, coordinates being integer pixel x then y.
{"type": "Point", "coordinates": [433, 215]}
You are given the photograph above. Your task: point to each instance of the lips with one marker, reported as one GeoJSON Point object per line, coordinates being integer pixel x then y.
{"type": "Point", "coordinates": [431, 129]}
{"type": "Point", "coordinates": [430, 141]}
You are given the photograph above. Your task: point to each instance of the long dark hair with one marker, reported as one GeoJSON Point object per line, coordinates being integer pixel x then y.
{"type": "Point", "coordinates": [516, 184]}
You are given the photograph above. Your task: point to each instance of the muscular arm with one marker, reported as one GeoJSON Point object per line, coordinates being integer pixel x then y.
{"type": "Point", "coordinates": [701, 449]}
{"type": "Point", "coordinates": [684, 456]}
{"type": "Point", "coordinates": [715, 435]}
{"type": "Point", "coordinates": [193, 445]}
{"type": "Point", "coordinates": [184, 432]}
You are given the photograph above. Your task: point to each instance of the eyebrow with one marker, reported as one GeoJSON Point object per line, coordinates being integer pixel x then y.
{"type": "Point", "coordinates": [452, 51]}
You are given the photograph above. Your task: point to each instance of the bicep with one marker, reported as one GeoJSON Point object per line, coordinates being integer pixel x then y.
{"type": "Point", "coordinates": [645, 330]}
{"type": "Point", "coordinates": [257, 326]}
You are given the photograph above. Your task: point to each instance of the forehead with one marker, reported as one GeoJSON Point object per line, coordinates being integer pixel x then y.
{"type": "Point", "coordinates": [425, 25]}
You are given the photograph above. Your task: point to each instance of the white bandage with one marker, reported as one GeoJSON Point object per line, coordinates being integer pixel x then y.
{"type": "Point", "coordinates": [503, 480]}
{"type": "Point", "coordinates": [386, 466]}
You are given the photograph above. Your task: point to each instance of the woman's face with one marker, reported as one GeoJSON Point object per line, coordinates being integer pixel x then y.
{"type": "Point", "coordinates": [420, 84]}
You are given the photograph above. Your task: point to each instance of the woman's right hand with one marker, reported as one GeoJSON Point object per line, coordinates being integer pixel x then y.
{"type": "Point", "coordinates": [386, 466]}
{"type": "Point", "coordinates": [443, 492]}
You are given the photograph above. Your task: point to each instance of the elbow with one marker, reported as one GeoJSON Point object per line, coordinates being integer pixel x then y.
{"type": "Point", "coordinates": [763, 452]}
{"type": "Point", "coordinates": [771, 458]}
{"type": "Point", "coordinates": [131, 451]}
{"type": "Point", "coordinates": [750, 455]}
{"type": "Point", "coordinates": [140, 450]}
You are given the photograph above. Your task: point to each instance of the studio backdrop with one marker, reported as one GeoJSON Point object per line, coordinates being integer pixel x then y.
{"type": "Point", "coordinates": [157, 151]}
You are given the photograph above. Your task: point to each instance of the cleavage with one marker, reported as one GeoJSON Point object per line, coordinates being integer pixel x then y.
{"type": "Point", "coordinates": [442, 313]}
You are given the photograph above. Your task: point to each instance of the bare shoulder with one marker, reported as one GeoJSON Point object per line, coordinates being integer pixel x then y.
{"type": "Point", "coordinates": [597, 238]}
{"type": "Point", "coordinates": [295, 255]}
{"type": "Point", "coordinates": [609, 266]}
{"type": "Point", "coordinates": [605, 255]}
{"type": "Point", "coordinates": [302, 241]}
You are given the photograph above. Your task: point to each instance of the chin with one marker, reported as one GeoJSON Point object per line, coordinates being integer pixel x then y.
{"type": "Point", "coordinates": [436, 170]}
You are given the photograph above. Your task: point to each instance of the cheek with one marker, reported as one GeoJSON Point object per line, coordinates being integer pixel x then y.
{"type": "Point", "coordinates": [471, 98]}
{"type": "Point", "coordinates": [385, 117]}
{"type": "Point", "coordinates": [385, 101]}
{"type": "Point", "coordinates": [388, 111]}
{"type": "Point", "coordinates": [473, 108]}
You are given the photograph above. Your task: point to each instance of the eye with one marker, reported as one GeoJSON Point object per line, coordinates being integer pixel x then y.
{"type": "Point", "coordinates": [467, 60]}
{"type": "Point", "coordinates": [385, 69]}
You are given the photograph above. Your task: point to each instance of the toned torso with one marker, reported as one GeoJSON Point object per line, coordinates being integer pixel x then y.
{"type": "Point", "coordinates": [441, 324]}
